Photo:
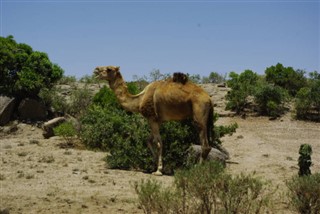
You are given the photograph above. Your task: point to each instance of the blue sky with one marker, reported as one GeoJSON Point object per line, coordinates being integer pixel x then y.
{"type": "Point", "coordinates": [195, 37]}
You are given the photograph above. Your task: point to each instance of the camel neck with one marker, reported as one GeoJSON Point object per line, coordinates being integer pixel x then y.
{"type": "Point", "coordinates": [128, 101]}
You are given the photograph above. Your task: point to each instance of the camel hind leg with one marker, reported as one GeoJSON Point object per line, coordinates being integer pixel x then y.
{"type": "Point", "coordinates": [201, 115]}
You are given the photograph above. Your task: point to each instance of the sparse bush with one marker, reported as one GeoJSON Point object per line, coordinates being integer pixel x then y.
{"type": "Point", "coordinates": [67, 80]}
{"type": "Point", "coordinates": [89, 79]}
{"type": "Point", "coordinates": [304, 193]}
{"type": "Point", "coordinates": [215, 77]}
{"type": "Point", "coordinates": [205, 188]}
{"type": "Point", "coordinates": [80, 100]}
{"type": "Point", "coordinates": [67, 131]}
{"type": "Point", "coordinates": [153, 197]}
{"type": "Point", "coordinates": [220, 131]}
{"type": "Point", "coordinates": [243, 194]}
{"type": "Point", "coordinates": [54, 100]}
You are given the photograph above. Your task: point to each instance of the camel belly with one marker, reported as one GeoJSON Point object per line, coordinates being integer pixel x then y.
{"type": "Point", "coordinates": [166, 112]}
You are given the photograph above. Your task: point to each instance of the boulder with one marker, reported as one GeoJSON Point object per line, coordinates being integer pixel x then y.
{"type": "Point", "coordinates": [49, 125]}
{"type": "Point", "coordinates": [220, 154]}
{"type": "Point", "coordinates": [31, 109]}
{"type": "Point", "coordinates": [7, 105]}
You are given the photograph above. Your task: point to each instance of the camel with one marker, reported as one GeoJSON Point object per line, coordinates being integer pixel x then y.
{"type": "Point", "coordinates": [171, 99]}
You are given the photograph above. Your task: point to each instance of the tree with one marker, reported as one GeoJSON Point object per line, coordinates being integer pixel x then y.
{"type": "Point", "coordinates": [23, 72]}
{"type": "Point", "coordinates": [242, 86]}
{"type": "Point", "coordinates": [307, 100]}
{"type": "Point", "coordinates": [215, 77]}
{"type": "Point", "coordinates": [286, 77]}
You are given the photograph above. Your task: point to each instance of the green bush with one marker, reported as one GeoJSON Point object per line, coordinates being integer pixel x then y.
{"type": "Point", "coordinates": [153, 197]}
{"type": "Point", "coordinates": [67, 131]}
{"type": "Point", "coordinates": [243, 194]}
{"type": "Point", "coordinates": [54, 100]}
{"type": "Point", "coordinates": [286, 77]}
{"type": "Point", "coordinates": [23, 72]}
{"type": "Point", "coordinates": [242, 85]}
{"type": "Point", "coordinates": [307, 101]}
{"type": "Point", "coordinates": [67, 80]}
{"type": "Point", "coordinates": [78, 103]}
{"type": "Point", "coordinates": [270, 100]}
{"type": "Point", "coordinates": [304, 193]}
{"type": "Point", "coordinates": [205, 188]}
{"type": "Point", "coordinates": [304, 160]}
{"type": "Point", "coordinates": [220, 131]}
{"type": "Point", "coordinates": [80, 100]}
{"type": "Point", "coordinates": [125, 137]}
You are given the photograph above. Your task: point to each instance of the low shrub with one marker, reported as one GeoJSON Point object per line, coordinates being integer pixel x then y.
{"type": "Point", "coordinates": [67, 131]}
{"type": "Point", "coordinates": [205, 188]}
{"type": "Point", "coordinates": [78, 103]}
{"type": "Point", "coordinates": [304, 193]}
{"type": "Point", "coordinates": [243, 194]}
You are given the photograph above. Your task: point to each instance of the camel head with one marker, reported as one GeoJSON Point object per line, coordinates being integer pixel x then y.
{"type": "Point", "coordinates": [107, 72]}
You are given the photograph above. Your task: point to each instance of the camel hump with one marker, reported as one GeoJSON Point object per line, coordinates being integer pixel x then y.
{"type": "Point", "coordinates": [180, 78]}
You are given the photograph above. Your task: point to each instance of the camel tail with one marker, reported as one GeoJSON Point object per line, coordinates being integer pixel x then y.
{"type": "Point", "coordinates": [210, 131]}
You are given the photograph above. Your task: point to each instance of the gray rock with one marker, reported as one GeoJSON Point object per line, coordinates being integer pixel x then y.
{"type": "Point", "coordinates": [49, 125]}
{"type": "Point", "coordinates": [30, 109]}
{"type": "Point", "coordinates": [7, 105]}
{"type": "Point", "coordinates": [215, 154]}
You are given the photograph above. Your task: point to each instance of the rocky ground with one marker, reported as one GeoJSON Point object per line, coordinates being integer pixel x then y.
{"type": "Point", "coordinates": [42, 176]}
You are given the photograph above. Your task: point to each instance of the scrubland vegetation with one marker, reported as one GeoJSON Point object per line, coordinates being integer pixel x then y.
{"type": "Point", "coordinates": [104, 125]}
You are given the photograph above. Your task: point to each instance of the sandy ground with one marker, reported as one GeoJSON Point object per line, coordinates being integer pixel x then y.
{"type": "Point", "coordinates": [38, 176]}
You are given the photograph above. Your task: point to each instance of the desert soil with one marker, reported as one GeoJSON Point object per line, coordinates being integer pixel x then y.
{"type": "Point", "coordinates": [38, 176]}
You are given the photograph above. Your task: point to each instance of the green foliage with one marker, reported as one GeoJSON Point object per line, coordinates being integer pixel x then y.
{"type": "Point", "coordinates": [67, 80]}
{"type": "Point", "coordinates": [243, 194]}
{"type": "Point", "coordinates": [106, 98]}
{"type": "Point", "coordinates": [304, 193]}
{"type": "Point", "coordinates": [153, 197]}
{"type": "Point", "coordinates": [80, 100]}
{"type": "Point", "coordinates": [89, 79]}
{"type": "Point", "coordinates": [195, 78]}
{"type": "Point", "coordinates": [270, 99]}
{"type": "Point", "coordinates": [242, 86]}
{"type": "Point", "coordinates": [220, 131]}
{"type": "Point", "coordinates": [304, 161]}
{"type": "Point", "coordinates": [205, 188]}
{"type": "Point", "coordinates": [78, 103]}
{"type": "Point", "coordinates": [307, 101]}
{"type": "Point", "coordinates": [67, 131]}
{"type": "Point", "coordinates": [286, 77]}
{"type": "Point", "coordinates": [23, 72]}
{"type": "Point", "coordinates": [215, 77]}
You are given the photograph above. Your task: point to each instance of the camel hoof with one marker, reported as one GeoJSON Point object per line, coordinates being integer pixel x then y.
{"type": "Point", "coordinates": [157, 173]}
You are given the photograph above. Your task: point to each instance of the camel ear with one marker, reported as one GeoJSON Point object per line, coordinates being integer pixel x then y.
{"type": "Point", "coordinates": [117, 68]}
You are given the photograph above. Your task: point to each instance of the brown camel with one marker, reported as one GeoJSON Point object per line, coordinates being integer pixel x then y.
{"type": "Point", "coordinates": [171, 99]}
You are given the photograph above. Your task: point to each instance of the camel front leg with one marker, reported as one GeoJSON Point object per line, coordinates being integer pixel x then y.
{"type": "Point", "coordinates": [155, 131]}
